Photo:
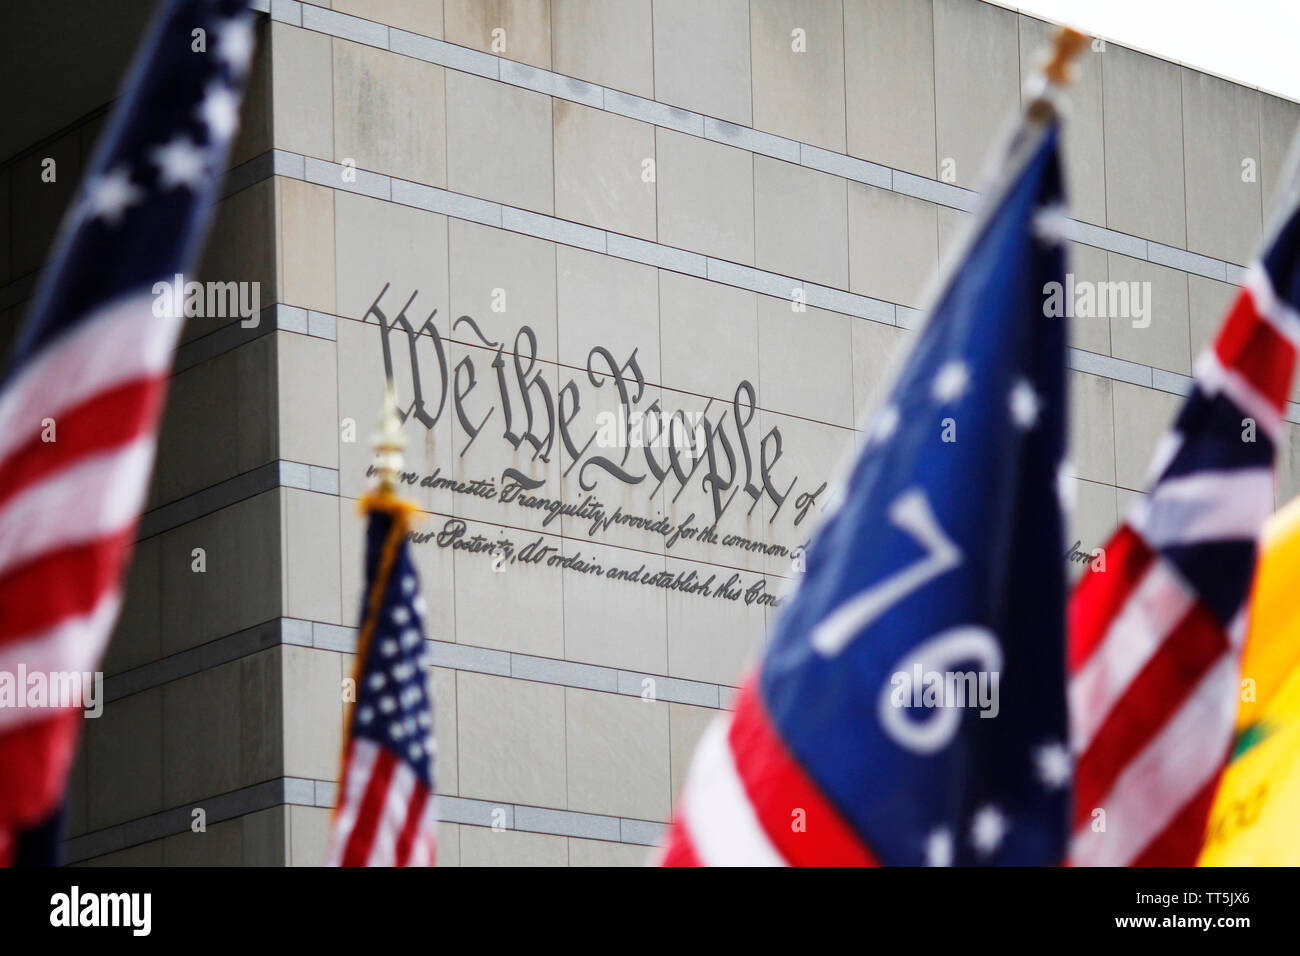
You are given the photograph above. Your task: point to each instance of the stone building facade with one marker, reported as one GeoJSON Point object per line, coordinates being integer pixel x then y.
{"type": "Point", "coordinates": [588, 240]}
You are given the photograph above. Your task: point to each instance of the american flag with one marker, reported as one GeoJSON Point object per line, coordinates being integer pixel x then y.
{"type": "Point", "coordinates": [940, 567]}
{"type": "Point", "coordinates": [80, 402]}
{"type": "Point", "coordinates": [385, 814]}
{"type": "Point", "coordinates": [1156, 638]}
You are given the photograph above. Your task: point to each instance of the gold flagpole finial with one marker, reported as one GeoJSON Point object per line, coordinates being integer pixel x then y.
{"type": "Point", "coordinates": [1066, 46]}
{"type": "Point", "coordinates": [389, 443]}
{"type": "Point", "coordinates": [1045, 85]}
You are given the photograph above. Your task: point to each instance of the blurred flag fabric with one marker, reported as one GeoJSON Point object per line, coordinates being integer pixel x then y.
{"type": "Point", "coordinates": [1255, 819]}
{"type": "Point", "coordinates": [90, 369]}
{"type": "Point", "coordinates": [1155, 638]}
{"type": "Point", "coordinates": [938, 573]}
{"type": "Point", "coordinates": [385, 812]}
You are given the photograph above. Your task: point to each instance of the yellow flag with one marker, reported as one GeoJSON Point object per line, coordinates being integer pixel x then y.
{"type": "Point", "coordinates": [1255, 820]}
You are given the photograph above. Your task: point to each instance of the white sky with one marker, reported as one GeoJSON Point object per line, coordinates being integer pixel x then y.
{"type": "Point", "coordinates": [1250, 41]}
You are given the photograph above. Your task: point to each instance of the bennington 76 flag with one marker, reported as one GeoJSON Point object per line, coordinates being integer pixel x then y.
{"type": "Point", "coordinates": [385, 813]}
{"type": "Point", "coordinates": [80, 402]}
{"type": "Point", "coordinates": [910, 708]}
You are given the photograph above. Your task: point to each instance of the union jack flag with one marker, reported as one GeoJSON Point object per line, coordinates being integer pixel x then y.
{"type": "Point", "coordinates": [910, 708]}
{"type": "Point", "coordinates": [385, 814]}
{"type": "Point", "coordinates": [80, 403]}
{"type": "Point", "coordinates": [1155, 639]}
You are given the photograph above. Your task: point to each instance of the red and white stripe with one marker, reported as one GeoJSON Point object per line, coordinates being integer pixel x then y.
{"type": "Point", "coordinates": [747, 802]}
{"type": "Point", "coordinates": [1153, 674]}
{"type": "Point", "coordinates": [386, 815]}
{"type": "Point", "coordinates": [68, 512]}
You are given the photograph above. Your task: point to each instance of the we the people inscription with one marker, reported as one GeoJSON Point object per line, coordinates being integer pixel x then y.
{"type": "Point", "coordinates": [606, 425]}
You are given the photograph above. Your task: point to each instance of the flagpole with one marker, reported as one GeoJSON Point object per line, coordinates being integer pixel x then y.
{"type": "Point", "coordinates": [389, 443]}
{"type": "Point", "coordinates": [390, 664]}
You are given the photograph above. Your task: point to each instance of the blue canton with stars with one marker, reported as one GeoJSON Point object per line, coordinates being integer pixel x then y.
{"type": "Point", "coordinates": [147, 195]}
{"type": "Point", "coordinates": [945, 556]}
{"type": "Point", "coordinates": [392, 707]}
